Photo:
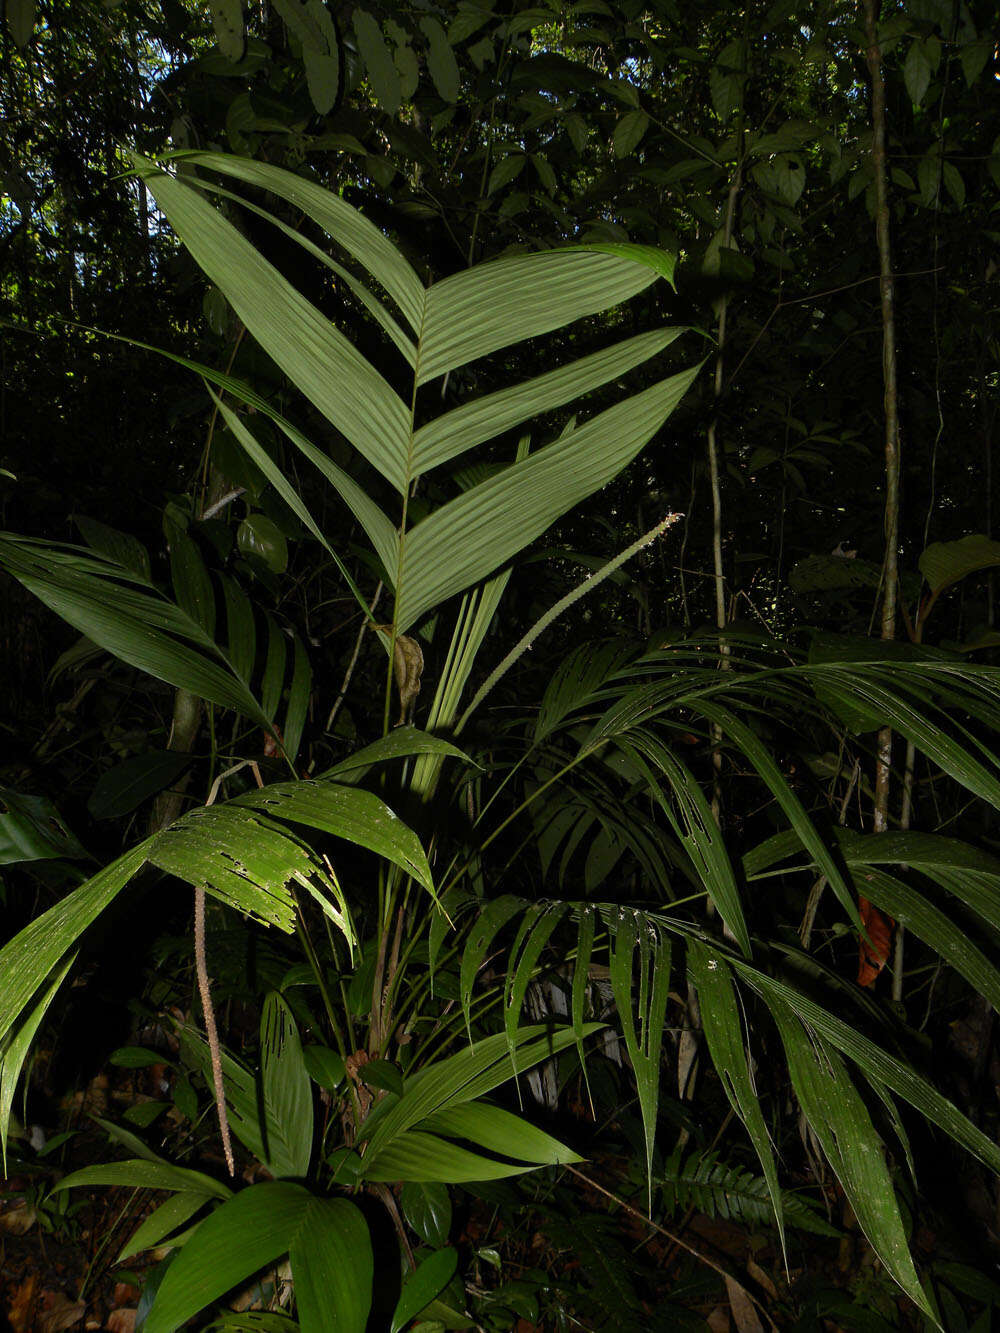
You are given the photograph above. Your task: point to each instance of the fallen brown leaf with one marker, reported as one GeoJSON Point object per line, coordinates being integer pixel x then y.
{"type": "Point", "coordinates": [121, 1321]}
{"type": "Point", "coordinates": [760, 1275]}
{"type": "Point", "coordinates": [744, 1315]}
{"type": "Point", "coordinates": [21, 1307]}
{"type": "Point", "coordinates": [18, 1219]}
{"type": "Point", "coordinates": [58, 1312]}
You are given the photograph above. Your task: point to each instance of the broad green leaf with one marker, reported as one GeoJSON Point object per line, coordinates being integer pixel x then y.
{"type": "Point", "coordinates": [15, 1046]}
{"type": "Point", "coordinates": [332, 1267]}
{"type": "Point", "coordinates": [274, 669]}
{"type": "Point", "coordinates": [130, 1142]}
{"type": "Point", "coordinates": [631, 931]}
{"type": "Point", "coordinates": [348, 489]}
{"type": "Point", "coordinates": [259, 538]}
{"type": "Point", "coordinates": [170, 1215]}
{"type": "Point", "coordinates": [119, 790]}
{"type": "Point", "coordinates": [843, 1126]}
{"type": "Point", "coordinates": [248, 1231]}
{"type": "Point", "coordinates": [405, 59]}
{"type": "Point", "coordinates": [32, 829]}
{"type": "Point", "coordinates": [310, 22]}
{"type": "Point", "coordinates": [20, 20]}
{"type": "Point", "coordinates": [227, 20]}
{"type": "Point", "coordinates": [723, 1030]}
{"type": "Point", "coordinates": [877, 1064]}
{"type": "Point", "coordinates": [299, 692]}
{"type": "Point", "coordinates": [491, 920]}
{"type": "Point", "coordinates": [348, 812]}
{"type": "Point", "coordinates": [400, 742]}
{"type": "Point", "coordinates": [385, 1075]}
{"type": "Point", "coordinates": [577, 130]}
{"type": "Point", "coordinates": [142, 1174]}
{"type": "Point", "coordinates": [426, 1207]}
{"type": "Point", "coordinates": [917, 71]}
{"type": "Point", "coordinates": [241, 633]}
{"type": "Point", "coordinates": [238, 856]}
{"type": "Point", "coordinates": [243, 1104]}
{"type": "Point", "coordinates": [191, 581]}
{"type": "Point", "coordinates": [973, 57]}
{"type": "Point", "coordinates": [121, 547]}
{"type": "Point", "coordinates": [127, 617]}
{"type": "Point", "coordinates": [316, 356]}
{"type": "Point", "coordinates": [506, 170]}
{"type": "Point", "coordinates": [628, 132]}
{"type": "Point", "coordinates": [540, 920]}
{"type": "Point", "coordinates": [824, 573]}
{"type": "Point", "coordinates": [505, 301]}
{"type": "Point", "coordinates": [287, 1092]}
{"type": "Point", "coordinates": [484, 418]}
{"type": "Point", "coordinates": [584, 947]}
{"type": "Point", "coordinates": [760, 757]}
{"type": "Point", "coordinates": [662, 262]}
{"type": "Point", "coordinates": [143, 1114]}
{"type": "Point", "coordinates": [461, 1078]}
{"type": "Point", "coordinates": [416, 1155]}
{"type": "Point", "coordinates": [944, 563]}
{"type": "Point", "coordinates": [695, 826]}
{"type": "Point", "coordinates": [345, 224]}
{"type": "Point", "coordinates": [381, 69]}
{"type": "Point", "coordinates": [887, 701]}
{"type": "Point", "coordinates": [28, 960]}
{"type": "Point", "coordinates": [938, 930]}
{"type": "Point", "coordinates": [136, 1057]}
{"type": "Point", "coordinates": [322, 78]}
{"type": "Point", "coordinates": [477, 612]}
{"type": "Point", "coordinates": [421, 1286]}
{"type": "Point", "coordinates": [499, 1131]}
{"type": "Point", "coordinates": [470, 536]}
{"type": "Point", "coordinates": [441, 61]}
{"type": "Point", "coordinates": [576, 676]}
{"type": "Point", "coordinates": [380, 531]}
{"type": "Point", "coordinates": [324, 1066]}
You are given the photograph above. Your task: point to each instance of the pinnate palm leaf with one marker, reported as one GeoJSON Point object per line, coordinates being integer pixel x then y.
{"type": "Point", "coordinates": [454, 321]}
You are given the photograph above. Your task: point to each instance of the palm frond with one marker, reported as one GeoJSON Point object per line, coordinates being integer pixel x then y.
{"type": "Point", "coordinates": [454, 321]}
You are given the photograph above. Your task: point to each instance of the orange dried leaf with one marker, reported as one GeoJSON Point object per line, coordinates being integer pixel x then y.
{"type": "Point", "coordinates": [873, 951]}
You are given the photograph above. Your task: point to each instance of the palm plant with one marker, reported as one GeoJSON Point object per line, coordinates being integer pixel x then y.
{"type": "Point", "coordinates": [601, 764]}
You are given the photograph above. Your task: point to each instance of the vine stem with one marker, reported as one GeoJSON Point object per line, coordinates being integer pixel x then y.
{"type": "Point", "coordinates": [211, 1030]}
{"type": "Point", "coordinates": [205, 990]}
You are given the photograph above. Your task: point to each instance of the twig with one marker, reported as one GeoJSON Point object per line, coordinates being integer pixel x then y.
{"type": "Point", "coordinates": [204, 990]}
{"type": "Point", "coordinates": [676, 1240]}
{"type": "Point", "coordinates": [816, 892]}
{"type": "Point", "coordinates": [574, 595]}
{"type": "Point", "coordinates": [224, 500]}
{"type": "Point", "coordinates": [354, 659]}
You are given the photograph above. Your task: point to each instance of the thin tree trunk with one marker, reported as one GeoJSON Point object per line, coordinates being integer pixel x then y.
{"type": "Point", "coordinates": [712, 434]}
{"type": "Point", "coordinates": [891, 399]}
{"type": "Point", "coordinates": [883, 765]}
